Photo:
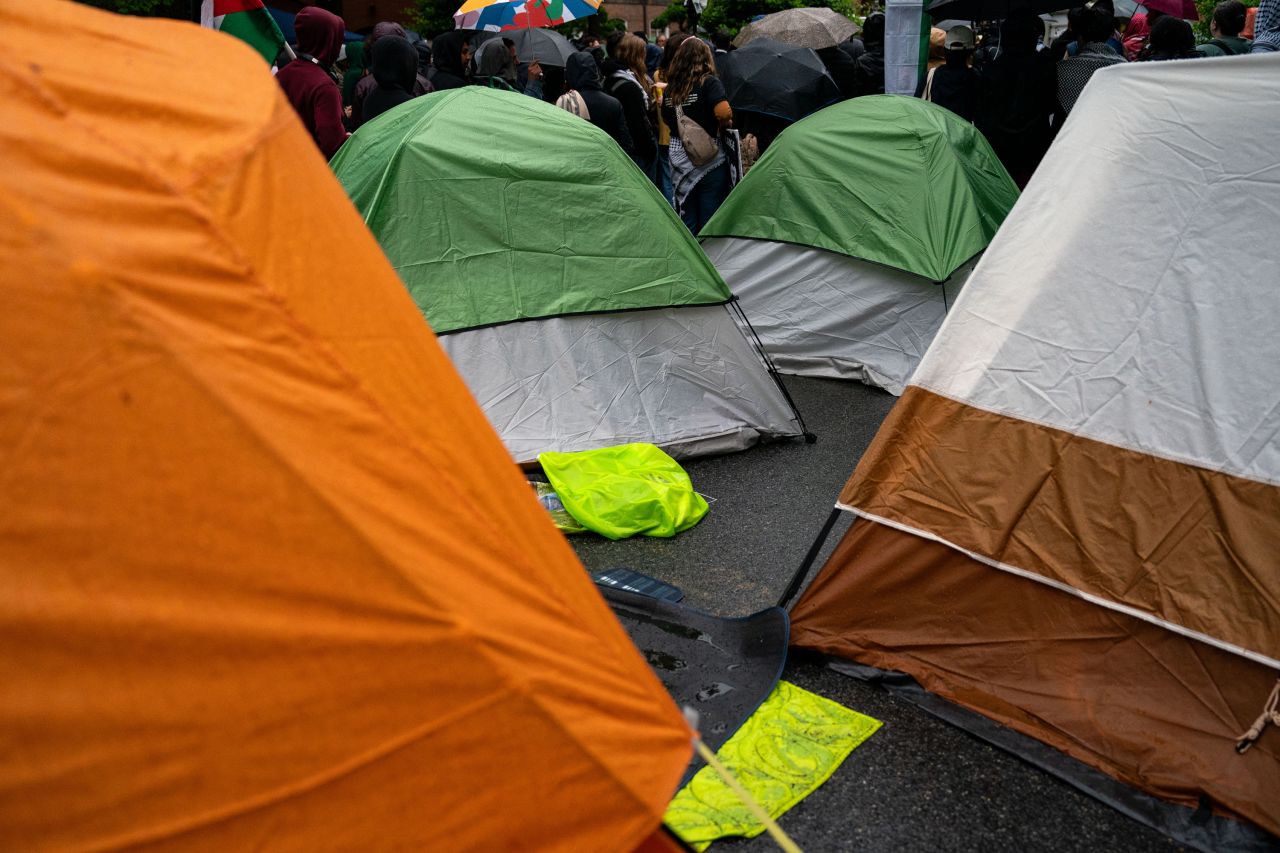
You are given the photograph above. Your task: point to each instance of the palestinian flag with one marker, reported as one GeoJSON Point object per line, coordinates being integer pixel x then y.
{"type": "Point", "coordinates": [247, 20]}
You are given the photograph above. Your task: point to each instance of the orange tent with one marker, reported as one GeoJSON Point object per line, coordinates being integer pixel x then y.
{"type": "Point", "coordinates": [270, 578]}
{"type": "Point", "coordinates": [1070, 519]}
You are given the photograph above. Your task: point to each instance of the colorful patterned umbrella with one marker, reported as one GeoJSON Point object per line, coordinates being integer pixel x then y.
{"type": "Point", "coordinates": [521, 14]}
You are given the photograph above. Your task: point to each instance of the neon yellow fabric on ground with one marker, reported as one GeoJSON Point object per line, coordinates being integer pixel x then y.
{"type": "Point", "coordinates": [624, 490]}
{"type": "Point", "coordinates": [789, 747]}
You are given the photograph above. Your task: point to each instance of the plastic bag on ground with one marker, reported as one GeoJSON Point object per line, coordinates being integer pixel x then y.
{"type": "Point", "coordinates": [560, 517]}
{"type": "Point", "coordinates": [625, 490]}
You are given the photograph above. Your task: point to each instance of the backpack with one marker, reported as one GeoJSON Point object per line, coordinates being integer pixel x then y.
{"type": "Point", "coordinates": [573, 102]}
{"type": "Point", "coordinates": [927, 95]}
{"type": "Point", "coordinates": [1223, 46]}
{"type": "Point", "coordinates": [699, 145]}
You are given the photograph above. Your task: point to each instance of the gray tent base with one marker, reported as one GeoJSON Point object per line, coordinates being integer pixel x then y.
{"type": "Point", "coordinates": [1198, 828]}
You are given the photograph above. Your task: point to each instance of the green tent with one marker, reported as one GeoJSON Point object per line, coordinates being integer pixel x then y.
{"type": "Point", "coordinates": [578, 308]}
{"type": "Point", "coordinates": [495, 207]}
{"type": "Point", "coordinates": [889, 179]}
{"type": "Point", "coordinates": [854, 233]}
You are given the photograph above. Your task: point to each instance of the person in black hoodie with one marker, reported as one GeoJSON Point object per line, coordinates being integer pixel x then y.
{"type": "Point", "coordinates": [450, 53]}
{"type": "Point", "coordinates": [868, 77]}
{"type": "Point", "coordinates": [395, 68]}
{"type": "Point", "coordinates": [582, 75]}
{"type": "Point", "coordinates": [627, 80]}
{"type": "Point", "coordinates": [1019, 94]}
{"type": "Point", "coordinates": [366, 84]}
{"type": "Point", "coordinates": [841, 67]}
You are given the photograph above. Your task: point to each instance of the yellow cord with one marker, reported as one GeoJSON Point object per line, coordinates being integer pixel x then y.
{"type": "Point", "coordinates": [780, 838]}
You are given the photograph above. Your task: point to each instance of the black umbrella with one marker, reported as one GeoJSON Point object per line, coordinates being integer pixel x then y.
{"type": "Point", "coordinates": [776, 79]}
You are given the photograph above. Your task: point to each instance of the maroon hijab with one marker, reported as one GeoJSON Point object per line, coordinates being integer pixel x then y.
{"type": "Point", "coordinates": [319, 34]}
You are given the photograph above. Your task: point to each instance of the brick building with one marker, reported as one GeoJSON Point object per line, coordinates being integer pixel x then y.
{"type": "Point", "coordinates": [637, 14]}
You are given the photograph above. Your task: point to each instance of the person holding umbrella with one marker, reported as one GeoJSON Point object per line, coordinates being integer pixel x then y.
{"type": "Point", "coordinates": [496, 69]}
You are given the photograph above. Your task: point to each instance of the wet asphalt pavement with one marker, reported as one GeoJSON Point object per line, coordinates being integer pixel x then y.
{"type": "Point", "coordinates": [918, 784]}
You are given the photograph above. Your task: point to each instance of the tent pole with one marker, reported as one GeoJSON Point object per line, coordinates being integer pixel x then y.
{"type": "Point", "coordinates": [809, 438]}
{"type": "Point", "coordinates": [803, 571]}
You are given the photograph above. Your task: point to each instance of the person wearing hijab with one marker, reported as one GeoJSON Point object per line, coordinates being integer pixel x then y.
{"type": "Point", "coordinates": [355, 70]}
{"type": "Point", "coordinates": [495, 68]}
{"type": "Point", "coordinates": [394, 67]}
{"type": "Point", "coordinates": [367, 83]}
{"type": "Point", "coordinates": [450, 53]}
{"type": "Point", "coordinates": [308, 83]}
{"type": "Point", "coordinates": [1266, 27]}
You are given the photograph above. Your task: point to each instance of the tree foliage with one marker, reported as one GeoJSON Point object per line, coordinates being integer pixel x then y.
{"type": "Point", "coordinates": [673, 14]}
{"type": "Point", "coordinates": [1205, 8]}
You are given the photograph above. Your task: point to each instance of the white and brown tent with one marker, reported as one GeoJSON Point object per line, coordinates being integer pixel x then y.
{"type": "Point", "coordinates": [1070, 522]}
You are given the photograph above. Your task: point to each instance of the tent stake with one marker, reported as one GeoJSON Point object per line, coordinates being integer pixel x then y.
{"type": "Point", "coordinates": [803, 571]}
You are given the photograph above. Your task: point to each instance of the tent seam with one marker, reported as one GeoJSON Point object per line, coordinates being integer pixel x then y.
{"type": "Point", "coordinates": [1256, 657]}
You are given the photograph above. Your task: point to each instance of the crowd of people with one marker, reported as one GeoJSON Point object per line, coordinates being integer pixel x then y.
{"type": "Point", "coordinates": [666, 108]}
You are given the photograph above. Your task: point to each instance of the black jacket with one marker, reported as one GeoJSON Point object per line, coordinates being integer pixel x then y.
{"type": "Point", "coordinates": [955, 86]}
{"type": "Point", "coordinates": [634, 112]}
{"type": "Point", "coordinates": [841, 67]}
{"type": "Point", "coordinates": [446, 55]}
{"type": "Point", "coordinates": [868, 72]}
{"type": "Point", "coordinates": [582, 74]}
{"type": "Point", "coordinates": [394, 66]}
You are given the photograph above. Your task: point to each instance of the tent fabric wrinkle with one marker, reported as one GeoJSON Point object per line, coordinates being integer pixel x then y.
{"type": "Point", "coordinates": [228, 498]}
{"type": "Point", "coordinates": [685, 379]}
{"type": "Point", "coordinates": [578, 307]}
{"type": "Point", "coordinates": [939, 195]}
{"type": "Point", "coordinates": [820, 313]}
{"type": "Point", "coordinates": [482, 247]}
{"type": "Point", "coordinates": [1093, 421]}
{"type": "Point", "coordinates": [1046, 503]}
{"type": "Point", "coordinates": [1152, 708]}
